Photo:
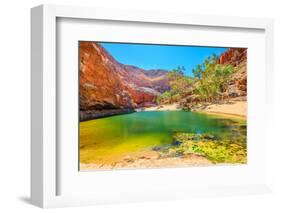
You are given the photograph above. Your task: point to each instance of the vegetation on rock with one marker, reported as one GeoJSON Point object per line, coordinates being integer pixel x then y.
{"type": "Point", "coordinates": [209, 83]}
{"type": "Point", "coordinates": [216, 149]}
{"type": "Point", "coordinates": [211, 79]}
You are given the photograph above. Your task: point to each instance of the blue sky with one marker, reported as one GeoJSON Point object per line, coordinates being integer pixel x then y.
{"type": "Point", "coordinates": [160, 56]}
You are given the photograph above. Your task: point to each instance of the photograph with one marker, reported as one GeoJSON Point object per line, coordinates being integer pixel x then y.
{"type": "Point", "coordinates": [161, 105]}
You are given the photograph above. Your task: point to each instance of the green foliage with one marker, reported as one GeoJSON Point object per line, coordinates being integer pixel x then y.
{"type": "Point", "coordinates": [164, 98]}
{"type": "Point", "coordinates": [176, 73]}
{"type": "Point", "coordinates": [179, 84]}
{"type": "Point", "coordinates": [197, 72]}
{"type": "Point", "coordinates": [209, 82]}
{"type": "Point", "coordinates": [212, 78]}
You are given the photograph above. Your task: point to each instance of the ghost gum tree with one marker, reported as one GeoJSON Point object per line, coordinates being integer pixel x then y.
{"type": "Point", "coordinates": [211, 79]}
{"type": "Point", "coordinates": [180, 86]}
{"type": "Point", "coordinates": [209, 82]}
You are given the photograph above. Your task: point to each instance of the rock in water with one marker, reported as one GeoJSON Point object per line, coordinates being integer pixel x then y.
{"type": "Point", "coordinates": [176, 143]}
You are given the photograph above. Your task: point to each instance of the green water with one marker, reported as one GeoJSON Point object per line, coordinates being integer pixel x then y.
{"type": "Point", "coordinates": [109, 139]}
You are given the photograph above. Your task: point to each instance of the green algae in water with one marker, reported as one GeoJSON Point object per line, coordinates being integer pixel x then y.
{"type": "Point", "coordinates": [217, 149]}
{"type": "Point", "coordinates": [107, 140]}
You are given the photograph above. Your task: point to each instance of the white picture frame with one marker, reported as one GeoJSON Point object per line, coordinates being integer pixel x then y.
{"type": "Point", "coordinates": [44, 154]}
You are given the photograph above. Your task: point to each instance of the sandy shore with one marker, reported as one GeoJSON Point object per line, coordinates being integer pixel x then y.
{"type": "Point", "coordinates": [233, 108]}
{"type": "Point", "coordinates": [168, 107]}
{"type": "Point", "coordinates": [150, 160]}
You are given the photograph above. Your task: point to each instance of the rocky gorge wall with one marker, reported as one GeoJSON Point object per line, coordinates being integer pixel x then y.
{"type": "Point", "coordinates": [237, 57]}
{"type": "Point", "coordinates": [108, 87]}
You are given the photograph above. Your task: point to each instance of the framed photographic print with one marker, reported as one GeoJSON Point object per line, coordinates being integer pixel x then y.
{"type": "Point", "coordinates": [154, 113]}
{"type": "Point", "coordinates": [149, 106]}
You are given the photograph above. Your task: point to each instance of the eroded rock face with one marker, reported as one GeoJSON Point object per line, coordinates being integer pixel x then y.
{"type": "Point", "coordinates": [233, 56]}
{"type": "Point", "coordinates": [107, 86]}
{"type": "Point", "coordinates": [238, 58]}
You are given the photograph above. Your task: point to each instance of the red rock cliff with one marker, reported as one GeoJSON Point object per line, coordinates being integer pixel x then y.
{"type": "Point", "coordinates": [238, 58]}
{"type": "Point", "coordinates": [233, 56]}
{"type": "Point", "coordinates": [109, 87]}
